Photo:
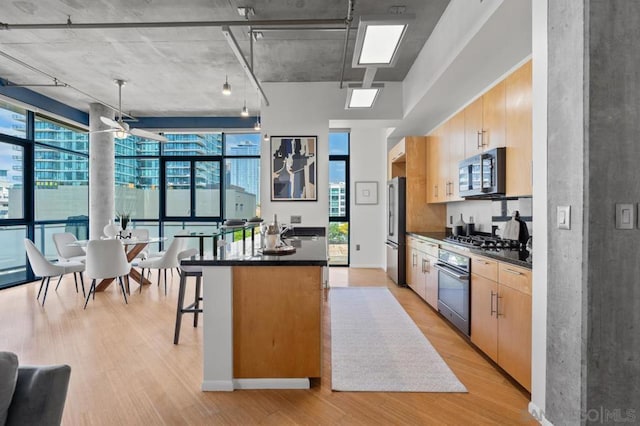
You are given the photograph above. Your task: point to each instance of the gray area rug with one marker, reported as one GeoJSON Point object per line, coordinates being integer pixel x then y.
{"type": "Point", "coordinates": [375, 346]}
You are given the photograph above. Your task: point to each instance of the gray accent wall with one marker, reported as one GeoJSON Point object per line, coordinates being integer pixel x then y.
{"type": "Point", "coordinates": [593, 342]}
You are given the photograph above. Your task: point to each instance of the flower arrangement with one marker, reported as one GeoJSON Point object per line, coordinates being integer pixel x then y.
{"type": "Point", "coordinates": [125, 217]}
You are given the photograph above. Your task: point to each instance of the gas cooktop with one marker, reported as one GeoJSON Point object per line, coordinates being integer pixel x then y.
{"type": "Point", "coordinates": [483, 242]}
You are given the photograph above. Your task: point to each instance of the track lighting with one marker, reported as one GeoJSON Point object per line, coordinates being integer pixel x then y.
{"type": "Point", "coordinates": [266, 137]}
{"type": "Point", "coordinates": [245, 111]}
{"type": "Point", "coordinates": [257, 125]}
{"type": "Point", "coordinates": [226, 87]}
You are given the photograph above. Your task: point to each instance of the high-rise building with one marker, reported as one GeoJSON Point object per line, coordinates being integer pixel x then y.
{"type": "Point", "coordinates": [337, 199]}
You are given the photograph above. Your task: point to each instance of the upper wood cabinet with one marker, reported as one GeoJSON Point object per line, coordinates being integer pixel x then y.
{"type": "Point", "coordinates": [396, 160]}
{"type": "Point", "coordinates": [421, 217]}
{"type": "Point", "coordinates": [502, 117]}
{"type": "Point", "coordinates": [434, 190]}
{"type": "Point", "coordinates": [456, 153]}
{"type": "Point", "coordinates": [493, 117]}
{"type": "Point", "coordinates": [445, 149]}
{"type": "Point", "coordinates": [484, 126]}
{"type": "Point", "coordinates": [519, 133]}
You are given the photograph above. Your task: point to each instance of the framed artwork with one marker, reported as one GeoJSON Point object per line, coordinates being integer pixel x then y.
{"type": "Point", "coordinates": [366, 192]}
{"type": "Point", "coordinates": [294, 171]}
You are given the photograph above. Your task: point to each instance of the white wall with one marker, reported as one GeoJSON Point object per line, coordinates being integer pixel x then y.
{"type": "Point", "coordinates": [368, 163]}
{"type": "Point", "coordinates": [307, 109]}
{"type": "Point", "coordinates": [539, 307]}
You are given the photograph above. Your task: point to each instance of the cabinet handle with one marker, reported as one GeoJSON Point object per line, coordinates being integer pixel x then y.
{"type": "Point", "coordinates": [428, 263]}
{"type": "Point", "coordinates": [432, 245]}
{"type": "Point", "coordinates": [422, 266]}
{"type": "Point", "coordinates": [435, 187]}
{"type": "Point", "coordinates": [498, 314]}
{"type": "Point", "coordinates": [478, 139]}
{"type": "Point", "coordinates": [511, 271]}
{"type": "Point", "coordinates": [414, 260]}
{"type": "Point", "coordinates": [493, 311]}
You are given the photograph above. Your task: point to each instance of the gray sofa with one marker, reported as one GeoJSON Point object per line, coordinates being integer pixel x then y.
{"type": "Point", "coordinates": [31, 395]}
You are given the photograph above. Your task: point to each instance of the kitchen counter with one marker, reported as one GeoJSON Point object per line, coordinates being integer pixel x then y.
{"type": "Point", "coordinates": [262, 315]}
{"type": "Point", "coordinates": [310, 251]}
{"type": "Point", "coordinates": [516, 257]}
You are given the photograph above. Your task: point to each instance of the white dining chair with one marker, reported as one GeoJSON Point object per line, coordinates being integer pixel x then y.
{"type": "Point", "coordinates": [66, 252]}
{"type": "Point", "coordinates": [46, 269]}
{"type": "Point", "coordinates": [106, 259]}
{"type": "Point", "coordinates": [168, 260]}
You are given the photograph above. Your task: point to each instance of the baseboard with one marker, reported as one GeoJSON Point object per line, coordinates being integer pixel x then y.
{"type": "Point", "coordinates": [367, 267]}
{"type": "Point", "coordinates": [217, 385]}
{"type": "Point", "coordinates": [538, 414]}
{"type": "Point", "coordinates": [271, 383]}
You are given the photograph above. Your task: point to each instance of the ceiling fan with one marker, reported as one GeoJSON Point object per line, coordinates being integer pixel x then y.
{"type": "Point", "coordinates": [121, 129]}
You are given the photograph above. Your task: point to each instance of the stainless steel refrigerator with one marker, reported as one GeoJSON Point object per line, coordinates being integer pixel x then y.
{"type": "Point", "coordinates": [396, 227]}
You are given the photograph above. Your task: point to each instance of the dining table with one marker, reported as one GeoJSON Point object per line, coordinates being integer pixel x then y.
{"type": "Point", "coordinates": [132, 247]}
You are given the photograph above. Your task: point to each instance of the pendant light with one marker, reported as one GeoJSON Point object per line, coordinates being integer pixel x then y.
{"type": "Point", "coordinates": [258, 124]}
{"type": "Point", "coordinates": [245, 111]}
{"type": "Point", "coordinates": [226, 87]}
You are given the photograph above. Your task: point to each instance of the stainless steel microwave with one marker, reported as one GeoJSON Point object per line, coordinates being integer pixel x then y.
{"type": "Point", "coordinates": [483, 175]}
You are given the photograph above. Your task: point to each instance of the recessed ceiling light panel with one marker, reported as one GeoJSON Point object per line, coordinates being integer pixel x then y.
{"type": "Point", "coordinates": [378, 40]}
{"type": "Point", "coordinates": [358, 97]}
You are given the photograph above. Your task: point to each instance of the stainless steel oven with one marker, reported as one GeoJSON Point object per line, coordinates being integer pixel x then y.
{"type": "Point", "coordinates": [454, 294]}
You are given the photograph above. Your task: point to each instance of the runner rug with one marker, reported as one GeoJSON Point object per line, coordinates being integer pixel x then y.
{"type": "Point", "coordinates": [375, 346]}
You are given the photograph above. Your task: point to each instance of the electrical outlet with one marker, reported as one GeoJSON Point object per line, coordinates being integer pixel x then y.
{"type": "Point", "coordinates": [357, 247]}
{"type": "Point", "coordinates": [296, 219]}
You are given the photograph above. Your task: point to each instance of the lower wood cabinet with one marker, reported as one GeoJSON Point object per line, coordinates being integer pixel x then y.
{"type": "Point", "coordinates": [501, 315]}
{"type": "Point", "coordinates": [422, 277]}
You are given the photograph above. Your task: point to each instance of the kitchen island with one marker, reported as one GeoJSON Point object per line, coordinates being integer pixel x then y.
{"type": "Point", "coordinates": [262, 316]}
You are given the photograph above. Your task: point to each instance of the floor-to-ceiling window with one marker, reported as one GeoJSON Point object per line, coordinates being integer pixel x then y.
{"type": "Point", "coordinates": [44, 172]}
{"type": "Point", "coordinates": [339, 198]}
{"type": "Point", "coordinates": [61, 182]}
{"type": "Point", "coordinates": [15, 213]}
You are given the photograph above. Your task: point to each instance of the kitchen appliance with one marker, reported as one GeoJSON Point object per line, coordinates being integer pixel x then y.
{"type": "Point", "coordinates": [396, 227]}
{"type": "Point", "coordinates": [483, 175]}
{"type": "Point", "coordinates": [454, 295]}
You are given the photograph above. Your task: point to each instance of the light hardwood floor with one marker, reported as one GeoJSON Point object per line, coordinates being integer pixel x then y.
{"type": "Point", "coordinates": [126, 370]}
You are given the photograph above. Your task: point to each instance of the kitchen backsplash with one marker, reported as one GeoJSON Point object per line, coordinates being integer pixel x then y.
{"type": "Point", "coordinates": [486, 213]}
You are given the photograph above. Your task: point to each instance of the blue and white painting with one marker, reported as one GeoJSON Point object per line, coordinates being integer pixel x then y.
{"type": "Point", "coordinates": [293, 168]}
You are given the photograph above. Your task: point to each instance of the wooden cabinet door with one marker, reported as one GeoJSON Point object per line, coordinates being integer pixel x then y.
{"type": "Point", "coordinates": [455, 155]}
{"type": "Point", "coordinates": [493, 117]}
{"type": "Point", "coordinates": [514, 334]}
{"type": "Point", "coordinates": [519, 132]}
{"type": "Point", "coordinates": [434, 191]}
{"type": "Point", "coordinates": [484, 320]}
{"type": "Point", "coordinates": [473, 125]}
{"type": "Point", "coordinates": [413, 276]}
{"type": "Point", "coordinates": [431, 280]}
{"type": "Point", "coordinates": [396, 160]}
{"type": "Point", "coordinates": [443, 160]}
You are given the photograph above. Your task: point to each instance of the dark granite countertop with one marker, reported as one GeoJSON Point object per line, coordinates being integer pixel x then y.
{"type": "Point", "coordinates": [310, 251]}
{"type": "Point", "coordinates": [516, 257]}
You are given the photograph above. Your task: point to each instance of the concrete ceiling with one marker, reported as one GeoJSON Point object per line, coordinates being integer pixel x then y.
{"type": "Point", "coordinates": [180, 71]}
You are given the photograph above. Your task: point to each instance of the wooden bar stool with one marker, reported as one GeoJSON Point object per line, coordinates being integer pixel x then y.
{"type": "Point", "coordinates": [193, 308]}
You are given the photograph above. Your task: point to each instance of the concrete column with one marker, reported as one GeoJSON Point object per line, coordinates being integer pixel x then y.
{"type": "Point", "coordinates": [101, 171]}
{"type": "Point", "coordinates": [593, 342]}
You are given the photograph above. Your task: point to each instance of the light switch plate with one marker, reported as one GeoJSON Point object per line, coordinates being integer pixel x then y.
{"type": "Point", "coordinates": [625, 216]}
{"type": "Point", "coordinates": [564, 217]}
